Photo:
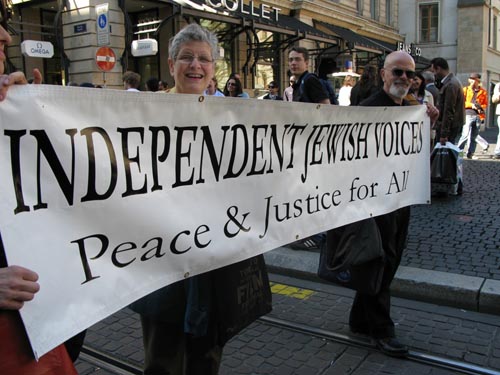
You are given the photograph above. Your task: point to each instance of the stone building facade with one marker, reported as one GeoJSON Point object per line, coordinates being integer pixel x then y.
{"type": "Point", "coordinates": [464, 32]}
{"type": "Point", "coordinates": [254, 35]}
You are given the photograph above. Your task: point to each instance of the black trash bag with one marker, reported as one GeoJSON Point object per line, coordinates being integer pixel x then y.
{"type": "Point", "coordinates": [444, 168]}
{"type": "Point", "coordinates": [352, 256]}
{"type": "Point", "coordinates": [242, 294]}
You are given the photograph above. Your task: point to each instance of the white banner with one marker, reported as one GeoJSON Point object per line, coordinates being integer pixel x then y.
{"type": "Point", "coordinates": [109, 195]}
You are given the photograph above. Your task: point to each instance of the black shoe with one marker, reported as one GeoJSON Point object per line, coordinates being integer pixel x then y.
{"type": "Point", "coordinates": [496, 157]}
{"type": "Point", "coordinates": [440, 194]}
{"type": "Point", "coordinates": [359, 330]}
{"type": "Point", "coordinates": [392, 347]}
{"type": "Point", "coordinates": [309, 243]}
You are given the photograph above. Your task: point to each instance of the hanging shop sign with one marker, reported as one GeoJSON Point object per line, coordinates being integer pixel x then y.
{"type": "Point", "coordinates": [411, 48]}
{"type": "Point", "coordinates": [144, 47]}
{"type": "Point", "coordinates": [262, 11]}
{"type": "Point", "coordinates": [36, 48]}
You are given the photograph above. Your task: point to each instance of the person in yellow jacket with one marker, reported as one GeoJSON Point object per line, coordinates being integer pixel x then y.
{"type": "Point", "coordinates": [476, 101]}
{"type": "Point", "coordinates": [495, 99]}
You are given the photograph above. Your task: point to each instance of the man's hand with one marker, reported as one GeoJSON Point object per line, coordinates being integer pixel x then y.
{"type": "Point", "coordinates": [432, 112]}
{"type": "Point", "coordinates": [17, 285]}
{"type": "Point", "coordinates": [16, 78]}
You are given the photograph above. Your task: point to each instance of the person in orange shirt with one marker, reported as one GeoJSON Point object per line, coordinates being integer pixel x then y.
{"type": "Point", "coordinates": [476, 101]}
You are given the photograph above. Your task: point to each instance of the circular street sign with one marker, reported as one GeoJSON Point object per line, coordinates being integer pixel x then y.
{"type": "Point", "coordinates": [102, 21]}
{"type": "Point", "coordinates": [105, 59]}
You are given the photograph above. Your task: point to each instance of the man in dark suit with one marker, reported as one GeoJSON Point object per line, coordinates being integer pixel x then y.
{"type": "Point", "coordinates": [371, 314]}
{"type": "Point", "coordinates": [451, 103]}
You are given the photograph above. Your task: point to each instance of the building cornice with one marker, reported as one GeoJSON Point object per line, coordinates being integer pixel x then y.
{"type": "Point", "coordinates": [345, 17]}
{"type": "Point", "coordinates": [471, 3]}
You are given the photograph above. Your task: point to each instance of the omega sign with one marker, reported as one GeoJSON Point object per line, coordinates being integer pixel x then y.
{"type": "Point", "coordinates": [35, 48]}
{"type": "Point", "coordinates": [144, 47]}
{"type": "Point", "coordinates": [263, 11]}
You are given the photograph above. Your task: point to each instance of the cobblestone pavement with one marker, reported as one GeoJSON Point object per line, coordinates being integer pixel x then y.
{"type": "Point", "coordinates": [456, 235]}
{"type": "Point", "coordinates": [461, 234]}
{"type": "Point", "coordinates": [262, 349]}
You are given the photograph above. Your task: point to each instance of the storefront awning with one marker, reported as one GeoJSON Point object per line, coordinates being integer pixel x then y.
{"type": "Point", "coordinates": [359, 42]}
{"type": "Point", "coordinates": [385, 46]}
{"type": "Point", "coordinates": [248, 17]}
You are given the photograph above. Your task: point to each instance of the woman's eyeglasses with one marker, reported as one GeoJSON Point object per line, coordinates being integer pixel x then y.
{"type": "Point", "coordinates": [189, 59]}
{"type": "Point", "coordinates": [410, 74]}
{"type": "Point", "coordinates": [231, 84]}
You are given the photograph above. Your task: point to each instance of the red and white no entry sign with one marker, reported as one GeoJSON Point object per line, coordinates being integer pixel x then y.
{"type": "Point", "coordinates": [105, 59]}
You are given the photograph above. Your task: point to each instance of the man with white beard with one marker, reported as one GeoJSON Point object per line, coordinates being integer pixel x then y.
{"type": "Point", "coordinates": [397, 75]}
{"type": "Point", "coordinates": [370, 314]}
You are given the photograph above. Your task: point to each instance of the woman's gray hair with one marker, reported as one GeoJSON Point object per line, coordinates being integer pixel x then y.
{"type": "Point", "coordinates": [192, 32]}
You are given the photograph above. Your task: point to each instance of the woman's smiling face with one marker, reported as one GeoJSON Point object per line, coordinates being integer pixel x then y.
{"type": "Point", "coordinates": [193, 67]}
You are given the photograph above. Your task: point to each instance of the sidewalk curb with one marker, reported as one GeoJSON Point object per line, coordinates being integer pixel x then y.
{"type": "Point", "coordinates": [442, 288]}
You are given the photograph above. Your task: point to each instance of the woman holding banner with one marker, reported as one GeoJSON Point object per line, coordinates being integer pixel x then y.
{"type": "Point", "coordinates": [186, 324]}
{"type": "Point", "coordinates": [18, 284]}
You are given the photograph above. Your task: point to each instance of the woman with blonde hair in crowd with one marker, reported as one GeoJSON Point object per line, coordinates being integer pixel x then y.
{"type": "Point", "coordinates": [345, 91]}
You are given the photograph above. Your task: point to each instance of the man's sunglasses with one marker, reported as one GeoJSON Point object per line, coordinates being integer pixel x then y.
{"type": "Point", "coordinates": [410, 74]}
{"type": "Point", "coordinates": [270, 87]}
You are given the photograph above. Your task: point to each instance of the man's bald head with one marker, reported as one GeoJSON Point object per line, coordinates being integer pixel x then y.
{"type": "Point", "coordinates": [397, 74]}
{"type": "Point", "coordinates": [398, 57]}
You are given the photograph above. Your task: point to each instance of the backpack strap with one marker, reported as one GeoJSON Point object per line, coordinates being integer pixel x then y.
{"type": "Point", "coordinates": [329, 90]}
{"type": "Point", "coordinates": [302, 93]}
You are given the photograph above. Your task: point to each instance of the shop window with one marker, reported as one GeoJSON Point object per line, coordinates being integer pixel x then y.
{"type": "Point", "coordinates": [52, 67]}
{"type": "Point", "coordinates": [388, 12]}
{"type": "Point", "coordinates": [429, 22]}
{"type": "Point", "coordinates": [374, 9]}
{"type": "Point", "coordinates": [494, 41]}
{"type": "Point", "coordinates": [145, 24]}
{"type": "Point", "coordinates": [223, 66]}
{"type": "Point", "coordinates": [265, 72]}
{"type": "Point", "coordinates": [359, 6]}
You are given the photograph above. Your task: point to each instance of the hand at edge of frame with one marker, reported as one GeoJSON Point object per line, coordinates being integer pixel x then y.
{"type": "Point", "coordinates": [17, 78]}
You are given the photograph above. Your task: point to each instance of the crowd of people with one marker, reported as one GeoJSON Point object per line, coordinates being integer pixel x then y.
{"type": "Point", "coordinates": [181, 322]}
{"type": "Point", "coordinates": [425, 88]}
